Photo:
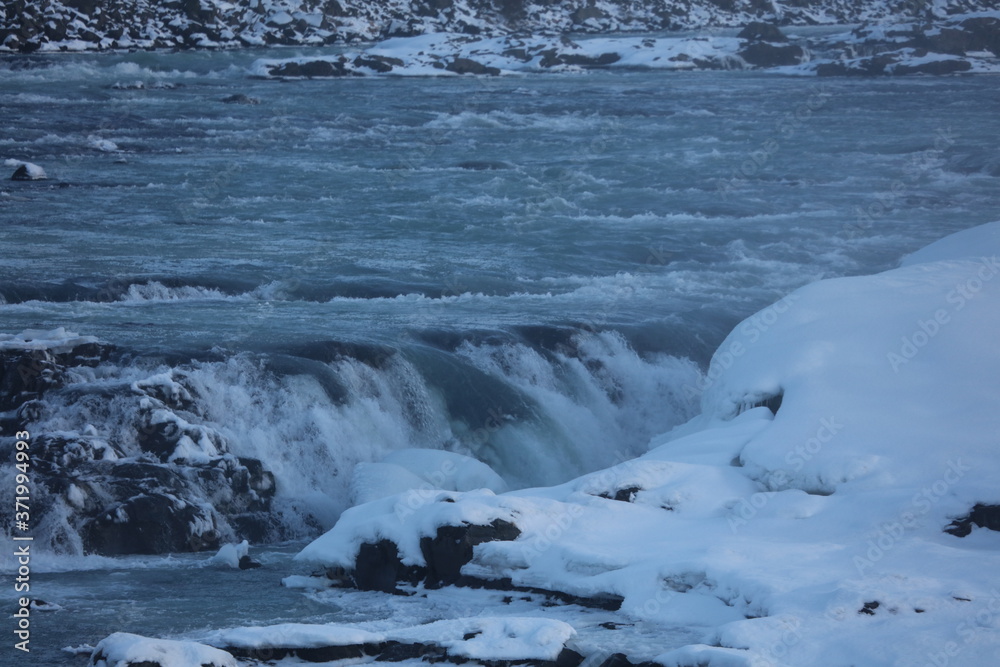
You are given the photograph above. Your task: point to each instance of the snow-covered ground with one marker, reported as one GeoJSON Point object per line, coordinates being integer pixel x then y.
{"type": "Point", "coordinates": [61, 25]}
{"type": "Point", "coordinates": [814, 535]}
{"type": "Point", "coordinates": [967, 43]}
{"type": "Point", "coordinates": [811, 515]}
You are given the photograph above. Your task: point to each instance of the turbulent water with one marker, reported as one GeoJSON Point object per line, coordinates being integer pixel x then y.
{"type": "Point", "coordinates": [532, 269]}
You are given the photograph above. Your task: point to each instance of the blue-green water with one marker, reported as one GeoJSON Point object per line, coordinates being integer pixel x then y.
{"type": "Point", "coordinates": [530, 269]}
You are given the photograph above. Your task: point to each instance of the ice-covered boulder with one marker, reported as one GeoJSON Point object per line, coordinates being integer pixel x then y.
{"type": "Point", "coordinates": [124, 650]}
{"type": "Point", "coordinates": [26, 171]}
{"type": "Point", "coordinates": [493, 640]}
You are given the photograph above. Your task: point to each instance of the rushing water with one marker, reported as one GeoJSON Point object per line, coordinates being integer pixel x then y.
{"type": "Point", "coordinates": [531, 269]}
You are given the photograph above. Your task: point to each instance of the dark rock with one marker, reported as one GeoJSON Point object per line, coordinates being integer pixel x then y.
{"type": "Point", "coordinates": [985, 31]}
{"type": "Point", "coordinates": [585, 14]}
{"type": "Point", "coordinates": [452, 547]}
{"type": "Point", "coordinates": [947, 40]}
{"type": "Point", "coordinates": [588, 61]}
{"type": "Point", "coordinates": [627, 495]}
{"type": "Point", "coordinates": [381, 64]}
{"type": "Point", "coordinates": [482, 165]}
{"type": "Point", "coordinates": [467, 66]}
{"type": "Point", "coordinates": [247, 563]}
{"type": "Point", "coordinates": [396, 652]}
{"type": "Point", "coordinates": [568, 658]}
{"type": "Point", "coordinates": [869, 608]}
{"type": "Point", "coordinates": [151, 524]}
{"type": "Point", "coordinates": [518, 54]}
{"type": "Point", "coordinates": [874, 66]}
{"type": "Point", "coordinates": [378, 568]}
{"type": "Point", "coordinates": [935, 67]}
{"type": "Point", "coordinates": [240, 98]}
{"type": "Point", "coordinates": [983, 516]}
{"type": "Point", "coordinates": [310, 69]}
{"type": "Point", "coordinates": [757, 31]}
{"type": "Point", "coordinates": [763, 54]}
{"type": "Point", "coordinates": [23, 173]}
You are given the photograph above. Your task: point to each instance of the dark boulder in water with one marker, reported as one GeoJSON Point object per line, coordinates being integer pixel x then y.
{"type": "Point", "coordinates": [313, 69]}
{"type": "Point", "coordinates": [152, 524]}
{"type": "Point", "coordinates": [28, 172]}
{"type": "Point", "coordinates": [468, 66]}
{"type": "Point", "coordinates": [764, 54]}
{"type": "Point", "coordinates": [247, 563]}
{"type": "Point", "coordinates": [483, 165]}
{"type": "Point", "coordinates": [758, 31]}
{"type": "Point", "coordinates": [378, 568]}
{"type": "Point", "coordinates": [935, 67]}
{"type": "Point", "coordinates": [240, 98]}
{"type": "Point", "coordinates": [380, 64]}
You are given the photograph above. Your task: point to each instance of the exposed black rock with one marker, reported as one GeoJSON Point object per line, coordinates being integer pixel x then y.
{"type": "Point", "coordinates": [381, 64]}
{"type": "Point", "coordinates": [452, 548]}
{"type": "Point", "coordinates": [247, 563]}
{"type": "Point", "coordinates": [23, 173]}
{"type": "Point", "coordinates": [313, 69]}
{"type": "Point", "coordinates": [391, 651]}
{"type": "Point", "coordinates": [240, 98]}
{"type": "Point", "coordinates": [468, 66]}
{"type": "Point", "coordinates": [151, 524]}
{"type": "Point", "coordinates": [983, 516]}
{"type": "Point", "coordinates": [935, 67]}
{"type": "Point", "coordinates": [621, 660]}
{"type": "Point", "coordinates": [482, 165]}
{"type": "Point", "coordinates": [764, 54]}
{"type": "Point", "coordinates": [757, 31]}
{"type": "Point", "coordinates": [378, 568]}
{"type": "Point", "coordinates": [874, 66]}
{"type": "Point", "coordinates": [869, 608]}
{"type": "Point", "coordinates": [115, 493]}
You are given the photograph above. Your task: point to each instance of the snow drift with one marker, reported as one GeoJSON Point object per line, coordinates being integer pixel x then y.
{"type": "Point", "coordinates": [809, 515]}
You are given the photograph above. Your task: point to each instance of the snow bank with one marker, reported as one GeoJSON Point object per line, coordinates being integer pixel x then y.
{"type": "Point", "coordinates": [800, 520]}
{"type": "Point", "coordinates": [421, 472]}
{"type": "Point", "coordinates": [55, 340]}
{"type": "Point", "coordinates": [123, 649]}
{"type": "Point", "coordinates": [486, 638]}
{"type": "Point", "coordinates": [230, 554]}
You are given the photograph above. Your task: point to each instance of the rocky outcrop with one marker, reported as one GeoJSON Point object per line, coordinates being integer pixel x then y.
{"type": "Point", "coordinates": [981, 515]}
{"type": "Point", "coordinates": [158, 480]}
{"type": "Point", "coordinates": [28, 25]}
{"type": "Point", "coordinates": [765, 54]}
{"type": "Point", "coordinates": [28, 172]}
{"type": "Point", "coordinates": [378, 566]}
{"type": "Point", "coordinates": [950, 46]}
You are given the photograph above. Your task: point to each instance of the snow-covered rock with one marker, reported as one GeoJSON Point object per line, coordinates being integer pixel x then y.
{"type": "Point", "coordinates": [26, 171]}
{"type": "Point", "coordinates": [123, 649]}
{"type": "Point", "coordinates": [482, 638]}
{"type": "Point", "coordinates": [63, 25]}
{"type": "Point", "coordinates": [161, 481]}
{"type": "Point", "coordinates": [821, 527]}
{"type": "Point", "coordinates": [419, 472]}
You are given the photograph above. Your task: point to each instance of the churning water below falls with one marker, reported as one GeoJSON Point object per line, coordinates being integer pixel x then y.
{"type": "Point", "coordinates": [533, 270]}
